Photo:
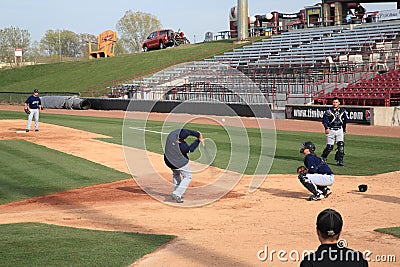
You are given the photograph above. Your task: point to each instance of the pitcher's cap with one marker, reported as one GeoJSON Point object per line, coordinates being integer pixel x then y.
{"type": "Point", "coordinates": [183, 134]}
{"type": "Point", "coordinates": [36, 91]}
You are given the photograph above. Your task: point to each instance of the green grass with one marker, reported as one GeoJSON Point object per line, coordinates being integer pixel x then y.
{"type": "Point", "coordinates": [365, 155]}
{"type": "Point", "coordinates": [107, 126]}
{"type": "Point", "coordinates": [32, 170]}
{"type": "Point", "coordinates": [35, 244]}
{"type": "Point", "coordinates": [95, 75]}
{"type": "Point", "coordinates": [29, 169]}
{"type": "Point", "coordinates": [391, 231]}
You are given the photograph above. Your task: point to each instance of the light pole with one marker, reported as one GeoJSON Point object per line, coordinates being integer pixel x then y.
{"type": "Point", "coordinates": [59, 44]}
{"type": "Point", "coordinates": [243, 14]}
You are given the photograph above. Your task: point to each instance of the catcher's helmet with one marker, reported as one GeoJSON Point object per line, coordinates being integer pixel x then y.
{"type": "Point", "coordinates": [307, 145]}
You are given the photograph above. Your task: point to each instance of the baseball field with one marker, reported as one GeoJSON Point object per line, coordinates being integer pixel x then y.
{"type": "Point", "coordinates": [68, 197]}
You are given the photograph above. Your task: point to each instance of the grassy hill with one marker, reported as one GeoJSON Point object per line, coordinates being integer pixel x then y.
{"type": "Point", "coordinates": [95, 75]}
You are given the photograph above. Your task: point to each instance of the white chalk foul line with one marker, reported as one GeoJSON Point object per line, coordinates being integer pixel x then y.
{"type": "Point", "coordinates": [145, 130]}
{"type": "Point", "coordinates": [151, 131]}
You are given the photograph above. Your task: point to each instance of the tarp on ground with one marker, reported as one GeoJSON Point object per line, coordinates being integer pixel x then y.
{"type": "Point", "coordinates": [65, 102]}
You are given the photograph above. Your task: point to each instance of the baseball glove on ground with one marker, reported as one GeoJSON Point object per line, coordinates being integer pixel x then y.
{"type": "Point", "coordinates": [27, 111]}
{"type": "Point", "coordinates": [301, 169]}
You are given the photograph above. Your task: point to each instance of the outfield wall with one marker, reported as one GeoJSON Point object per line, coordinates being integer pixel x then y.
{"type": "Point", "coordinates": [385, 116]}
{"type": "Point", "coordinates": [189, 107]}
{"type": "Point", "coordinates": [382, 116]}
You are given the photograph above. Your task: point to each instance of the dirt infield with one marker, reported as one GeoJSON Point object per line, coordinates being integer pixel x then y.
{"type": "Point", "coordinates": [229, 232]}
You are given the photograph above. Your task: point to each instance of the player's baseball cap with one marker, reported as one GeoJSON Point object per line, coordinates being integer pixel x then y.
{"type": "Point", "coordinates": [36, 91]}
{"type": "Point", "coordinates": [183, 134]}
{"type": "Point", "coordinates": [329, 222]}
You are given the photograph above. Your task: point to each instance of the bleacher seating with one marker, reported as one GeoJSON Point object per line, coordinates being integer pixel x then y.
{"type": "Point", "coordinates": [280, 49]}
{"type": "Point", "coordinates": [381, 90]}
{"type": "Point", "coordinates": [341, 47]}
{"type": "Point", "coordinates": [309, 46]}
{"type": "Point", "coordinates": [306, 53]}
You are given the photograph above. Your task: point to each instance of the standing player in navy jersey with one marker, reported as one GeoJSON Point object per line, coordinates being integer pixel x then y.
{"type": "Point", "coordinates": [34, 104]}
{"type": "Point", "coordinates": [334, 121]}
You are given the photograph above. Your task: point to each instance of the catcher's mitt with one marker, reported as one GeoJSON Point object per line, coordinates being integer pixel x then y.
{"type": "Point", "coordinates": [301, 169]}
{"type": "Point", "coordinates": [27, 111]}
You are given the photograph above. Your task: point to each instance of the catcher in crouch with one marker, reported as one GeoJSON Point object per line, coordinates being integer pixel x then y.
{"type": "Point", "coordinates": [316, 175]}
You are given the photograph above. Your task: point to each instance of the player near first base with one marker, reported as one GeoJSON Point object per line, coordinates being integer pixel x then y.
{"type": "Point", "coordinates": [34, 103]}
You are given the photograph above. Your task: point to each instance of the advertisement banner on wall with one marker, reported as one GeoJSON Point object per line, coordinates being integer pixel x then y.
{"type": "Point", "coordinates": [360, 115]}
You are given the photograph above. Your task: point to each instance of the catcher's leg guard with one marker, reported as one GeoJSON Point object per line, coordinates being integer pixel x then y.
{"type": "Point", "coordinates": [323, 189]}
{"type": "Point", "coordinates": [308, 184]}
{"type": "Point", "coordinates": [340, 152]}
{"type": "Point", "coordinates": [326, 151]}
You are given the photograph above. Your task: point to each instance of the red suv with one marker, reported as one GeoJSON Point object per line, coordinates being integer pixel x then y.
{"type": "Point", "coordinates": [158, 39]}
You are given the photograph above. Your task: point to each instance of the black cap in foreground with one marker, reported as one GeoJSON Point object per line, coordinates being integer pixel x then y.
{"type": "Point", "coordinates": [329, 222]}
{"type": "Point", "coordinates": [36, 91]}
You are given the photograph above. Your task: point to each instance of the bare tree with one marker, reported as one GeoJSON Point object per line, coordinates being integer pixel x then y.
{"type": "Point", "coordinates": [35, 53]}
{"type": "Point", "coordinates": [51, 43]}
{"type": "Point", "coordinates": [119, 48]}
{"type": "Point", "coordinates": [11, 38]}
{"type": "Point", "coordinates": [85, 38]}
{"type": "Point", "coordinates": [70, 44]}
{"type": "Point", "coordinates": [134, 27]}
{"type": "Point", "coordinates": [62, 43]}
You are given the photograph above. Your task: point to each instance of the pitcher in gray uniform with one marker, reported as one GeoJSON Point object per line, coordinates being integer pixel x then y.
{"type": "Point", "coordinates": [176, 158]}
{"type": "Point", "coordinates": [334, 121]}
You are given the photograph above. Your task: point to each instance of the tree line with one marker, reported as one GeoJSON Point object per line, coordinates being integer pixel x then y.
{"type": "Point", "coordinates": [132, 29]}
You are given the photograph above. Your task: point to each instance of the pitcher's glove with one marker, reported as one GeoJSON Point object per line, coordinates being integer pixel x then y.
{"type": "Point", "coordinates": [302, 170]}
{"type": "Point", "coordinates": [27, 111]}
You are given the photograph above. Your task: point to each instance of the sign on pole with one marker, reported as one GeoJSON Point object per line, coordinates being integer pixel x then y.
{"type": "Point", "coordinates": [18, 52]}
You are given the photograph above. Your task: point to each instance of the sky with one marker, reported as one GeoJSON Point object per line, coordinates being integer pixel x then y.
{"type": "Point", "coordinates": [194, 18]}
